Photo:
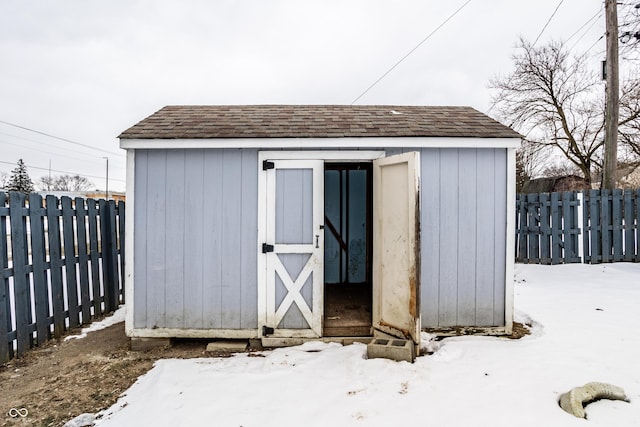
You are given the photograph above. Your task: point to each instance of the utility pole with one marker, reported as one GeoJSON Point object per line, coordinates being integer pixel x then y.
{"type": "Point", "coordinates": [612, 98]}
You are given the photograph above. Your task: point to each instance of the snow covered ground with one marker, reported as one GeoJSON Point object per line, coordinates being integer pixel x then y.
{"type": "Point", "coordinates": [586, 327]}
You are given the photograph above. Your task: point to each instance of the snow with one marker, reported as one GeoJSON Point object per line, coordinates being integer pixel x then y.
{"type": "Point", "coordinates": [116, 317]}
{"type": "Point", "coordinates": [585, 327]}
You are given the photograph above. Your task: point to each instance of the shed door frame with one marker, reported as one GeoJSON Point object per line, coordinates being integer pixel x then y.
{"type": "Point", "coordinates": [263, 214]}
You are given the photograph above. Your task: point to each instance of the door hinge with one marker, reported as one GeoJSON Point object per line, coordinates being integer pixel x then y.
{"type": "Point", "coordinates": [266, 164]}
{"type": "Point", "coordinates": [267, 248]}
{"type": "Point", "coordinates": [266, 330]}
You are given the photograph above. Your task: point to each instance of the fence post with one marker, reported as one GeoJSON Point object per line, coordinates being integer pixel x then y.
{"type": "Point", "coordinates": [21, 286]}
{"type": "Point", "coordinates": [39, 258]}
{"type": "Point", "coordinates": [6, 350]}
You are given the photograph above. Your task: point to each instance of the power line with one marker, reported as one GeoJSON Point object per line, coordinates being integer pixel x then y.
{"type": "Point", "coordinates": [548, 21]}
{"type": "Point", "coordinates": [95, 159]}
{"type": "Point", "coordinates": [72, 150]}
{"type": "Point", "coordinates": [596, 16]}
{"type": "Point", "coordinates": [585, 32]}
{"type": "Point", "coordinates": [594, 43]}
{"type": "Point", "coordinates": [410, 52]}
{"type": "Point", "coordinates": [59, 138]}
{"type": "Point", "coordinates": [67, 172]}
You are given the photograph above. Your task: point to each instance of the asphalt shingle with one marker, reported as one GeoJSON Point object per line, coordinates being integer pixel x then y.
{"type": "Point", "coordinates": [316, 121]}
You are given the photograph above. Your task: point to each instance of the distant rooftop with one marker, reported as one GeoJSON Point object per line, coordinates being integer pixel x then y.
{"type": "Point", "coordinates": [316, 121]}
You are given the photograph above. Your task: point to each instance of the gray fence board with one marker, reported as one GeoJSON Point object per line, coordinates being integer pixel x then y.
{"type": "Point", "coordinates": [121, 234]}
{"type": "Point", "coordinates": [94, 256]}
{"type": "Point", "coordinates": [556, 232]}
{"type": "Point", "coordinates": [83, 259]}
{"type": "Point", "coordinates": [6, 350]}
{"type": "Point", "coordinates": [547, 228]}
{"type": "Point", "coordinates": [38, 234]}
{"type": "Point", "coordinates": [56, 262]}
{"type": "Point", "coordinates": [40, 267]}
{"type": "Point", "coordinates": [20, 256]}
{"type": "Point", "coordinates": [70, 262]}
{"type": "Point", "coordinates": [610, 227]}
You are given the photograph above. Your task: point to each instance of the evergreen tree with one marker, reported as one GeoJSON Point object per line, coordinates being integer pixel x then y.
{"type": "Point", "coordinates": [19, 180]}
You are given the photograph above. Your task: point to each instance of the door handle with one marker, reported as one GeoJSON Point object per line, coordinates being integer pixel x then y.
{"type": "Point", "coordinates": [317, 241]}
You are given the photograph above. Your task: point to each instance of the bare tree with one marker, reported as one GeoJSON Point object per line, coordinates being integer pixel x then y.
{"type": "Point", "coordinates": [629, 125]}
{"type": "Point", "coordinates": [629, 29]}
{"type": "Point", "coordinates": [556, 101]}
{"type": "Point", "coordinates": [529, 162]}
{"type": "Point", "coordinates": [64, 183]}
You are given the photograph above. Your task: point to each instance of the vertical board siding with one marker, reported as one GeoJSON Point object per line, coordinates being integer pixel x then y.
{"type": "Point", "coordinates": [45, 290]}
{"type": "Point", "coordinates": [430, 237]}
{"type": "Point", "coordinates": [213, 243]}
{"type": "Point", "coordinates": [174, 252]}
{"type": "Point", "coordinates": [466, 238]}
{"type": "Point", "coordinates": [194, 240]}
{"type": "Point", "coordinates": [248, 235]}
{"type": "Point", "coordinates": [231, 231]}
{"type": "Point", "coordinates": [196, 236]}
{"type": "Point", "coordinates": [463, 226]}
{"type": "Point", "coordinates": [463, 223]}
{"type": "Point", "coordinates": [486, 238]}
{"type": "Point", "coordinates": [448, 214]}
{"type": "Point", "coordinates": [499, 216]}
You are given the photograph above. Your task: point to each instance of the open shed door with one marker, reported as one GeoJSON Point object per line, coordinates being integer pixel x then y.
{"type": "Point", "coordinates": [396, 246]}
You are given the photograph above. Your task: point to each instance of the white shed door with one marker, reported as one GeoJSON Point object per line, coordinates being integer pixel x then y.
{"type": "Point", "coordinates": [396, 246]}
{"type": "Point", "coordinates": [295, 247]}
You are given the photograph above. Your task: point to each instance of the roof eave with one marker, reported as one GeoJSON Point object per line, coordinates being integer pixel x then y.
{"type": "Point", "coordinates": [346, 142]}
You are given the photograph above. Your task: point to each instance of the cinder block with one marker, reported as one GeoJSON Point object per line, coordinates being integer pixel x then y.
{"type": "Point", "coordinates": [144, 344]}
{"type": "Point", "coordinates": [237, 346]}
{"type": "Point", "coordinates": [391, 348]}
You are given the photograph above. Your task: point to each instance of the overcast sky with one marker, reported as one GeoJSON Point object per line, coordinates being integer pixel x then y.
{"type": "Point", "coordinates": [87, 70]}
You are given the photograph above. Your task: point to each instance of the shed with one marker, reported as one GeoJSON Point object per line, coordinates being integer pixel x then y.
{"type": "Point", "coordinates": [293, 222]}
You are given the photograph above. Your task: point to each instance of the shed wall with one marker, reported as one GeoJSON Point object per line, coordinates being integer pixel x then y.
{"type": "Point", "coordinates": [196, 239]}
{"type": "Point", "coordinates": [463, 202]}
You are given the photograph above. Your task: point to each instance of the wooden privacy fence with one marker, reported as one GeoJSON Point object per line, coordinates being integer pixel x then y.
{"type": "Point", "coordinates": [61, 264]}
{"type": "Point", "coordinates": [549, 225]}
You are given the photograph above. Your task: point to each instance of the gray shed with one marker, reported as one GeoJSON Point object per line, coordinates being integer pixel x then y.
{"type": "Point", "coordinates": [290, 222]}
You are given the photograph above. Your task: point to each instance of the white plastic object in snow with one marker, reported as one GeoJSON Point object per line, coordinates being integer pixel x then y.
{"type": "Point", "coordinates": [577, 398]}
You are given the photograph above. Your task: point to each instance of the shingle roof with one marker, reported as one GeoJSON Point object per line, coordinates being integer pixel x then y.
{"type": "Point", "coordinates": [316, 121]}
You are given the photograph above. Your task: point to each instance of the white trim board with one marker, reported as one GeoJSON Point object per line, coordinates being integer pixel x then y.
{"type": "Point", "coordinates": [193, 333]}
{"type": "Point", "coordinates": [511, 239]}
{"type": "Point", "coordinates": [129, 244]}
{"type": "Point", "coordinates": [298, 143]}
